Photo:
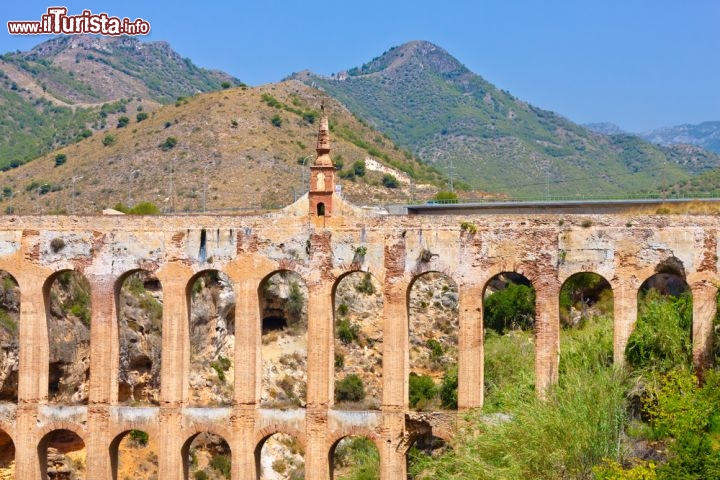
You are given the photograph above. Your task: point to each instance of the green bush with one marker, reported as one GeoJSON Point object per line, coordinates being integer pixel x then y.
{"type": "Point", "coordinates": [109, 140]}
{"type": "Point", "coordinates": [123, 122]}
{"type": "Point", "coordinates": [510, 309]}
{"type": "Point", "coordinates": [168, 144]}
{"type": "Point", "coordinates": [422, 389]}
{"type": "Point", "coordinates": [390, 181]}
{"type": "Point", "coordinates": [448, 388]}
{"type": "Point", "coordinates": [222, 464]}
{"type": "Point", "coordinates": [350, 389]}
{"type": "Point", "coordinates": [365, 285]}
{"type": "Point", "coordinates": [139, 437]}
{"type": "Point", "coordinates": [276, 120]}
{"type": "Point", "coordinates": [446, 197]}
{"type": "Point", "coordinates": [142, 208]}
{"type": "Point", "coordinates": [347, 332]}
{"type": "Point", "coordinates": [661, 338]}
{"type": "Point", "coordinates": [358, 168]}
{"type": "Point", "coordinates": [201, 475]}
{"type": "Point", "coordinates": [141, 116]}
{"type": "Point", "coordinates": [60, 159]}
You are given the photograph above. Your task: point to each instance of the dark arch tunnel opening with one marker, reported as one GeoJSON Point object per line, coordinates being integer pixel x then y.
{"type": "Point", "coordinates": [273, 323]}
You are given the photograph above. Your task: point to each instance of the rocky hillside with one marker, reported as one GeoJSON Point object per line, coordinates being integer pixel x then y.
{"type": "Point", "coordinates": [239, 148]}
{"type": "Point", "coordinates": [428, 102]}
{"type": "Point", "coordinates": [705, 135]}
{"type": "Point", "coordinates": [54, 94]}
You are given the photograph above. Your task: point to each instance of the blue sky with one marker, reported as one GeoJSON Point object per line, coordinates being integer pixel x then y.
{"type": "Point", "coordinates": [639, 64]}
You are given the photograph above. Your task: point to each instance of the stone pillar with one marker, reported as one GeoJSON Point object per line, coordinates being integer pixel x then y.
{"type": "Point", "coordinates": [624, 318]}
{"type": "Point", "coordinates": [248, 376]}
{"type": "Point", "coordinates": [470, 348]}
{"type": "Point", "coordinates": [547, 336]}
{"type": "Point", "coordinates": [248, 364]}
{"type": "Point", "coordinates": [320, 377]}
{"type": "Point", "coordinates": [101, 334]}
{"type": "Point", "coordinates": [704, 302]}
{"type": "Point", "coordinates": [33, 374]}
{"type": "Point", "coordinates": [393, 464]}
{"type": "Point", "coordinates": [396, 362]}
{"type": "Point", "coordinates": [173, 374]}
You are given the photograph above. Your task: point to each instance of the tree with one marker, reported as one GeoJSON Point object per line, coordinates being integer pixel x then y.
{"type": "Point", "coordinates": [123, 122]}
{"type": "Point", "coordinates": [141, 116]}
{"type": "Point", "coordinates": [168, 144]}
{"type": "Point", "coordinates": [60, 159]}
{"type": "Point", "coordinates": [276, 120]}
{"type": "Point", "coordinates": [359, 168]}
{"type": "Point", "coordinates": [349, 389]}
{"type": "Point", "coordinates": [390, 181]}
{"type": "Point", "coordinates": [445, 197]}
{"type": "Point", "coordinates": [510, 308]}
{"type": "Point", "coordinates": [109, 140]}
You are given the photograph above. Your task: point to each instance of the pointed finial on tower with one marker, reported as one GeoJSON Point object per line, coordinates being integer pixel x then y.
{"type": "Point", "coordinates": [323, 142]}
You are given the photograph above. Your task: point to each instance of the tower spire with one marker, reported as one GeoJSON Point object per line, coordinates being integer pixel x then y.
{"type": "Point", "coordinates": [322, 172]}
{"type": "Point", "coordinates": [323, 141]}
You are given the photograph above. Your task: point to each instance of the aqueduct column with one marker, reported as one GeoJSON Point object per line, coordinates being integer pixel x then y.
{"type": "Point", "coordinates": [247, 378]}
{"type": "Point", "coordinates": [173, 373]}
{"type": "Point", "coordinates": [33, 373]}
{"type": "Point", "coordinates": [470, 346]}
{"type": "Point", "coordinates": [624, 318]}
{"type": "Point", "coordinates": [320, 374]}
{"type": "Point", "coordinates": [101, 331]}
{"type": "Point", "coordinates": [704, 302]}
{"type": "Point", "coordinates": [547, 335]}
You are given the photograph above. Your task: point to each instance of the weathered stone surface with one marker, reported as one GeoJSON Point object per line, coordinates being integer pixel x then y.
{"type": "Point", "coordinates": [547, 249]}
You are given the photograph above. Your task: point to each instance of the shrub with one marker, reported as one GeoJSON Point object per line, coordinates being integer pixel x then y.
{"type": "Point", "coordinates": [123, 122]}
{"type": "Point", "coordinates": [436, 349]}
{"type": "Point", "coordinates": [225, 85]}
{"type": "Point", "coordinates": [347, 332]}
{"type": "Point", "coordinates": [422, 389]}
{"type": "Point", "coordinates": [343, 309]}
{"type": "Point", "coordinates": [359, 168]}
{"type": "Point", "coordinates": [350, 389]}
{"type": "Point", "coordinates": [511, 308]}
{"type": "Point", "coordinates": [296, 300]}
{"type": "Point", "coordinates": [221, 463]}
{"type": "Point", "coordinates": [390, 181]}
{"type": "Point", "coordinates": [168, 144]}
{"type": "Point", "coordinates": [139, 437]}
{"type": "Point", "coordinates": [446, 197]}
{"type": "Point", "coordinates": [109, 140]}
{"type": "Point", "coordinates": [201, 475]}
{"type": "Point", "coordinates": [60, 159]}
{"type": "Point", "coordinates": [366, 285]}
{"type": "Point", "coordinates": [142, 208]}
{"type": "Point", "coordinates": [276, 121]}
{"type": "Point", "coordinates": [468, 227]}
{"type": "Point", "coordinates": [448, 388]}
{"type": "Point", "coordinates": [141, 116]}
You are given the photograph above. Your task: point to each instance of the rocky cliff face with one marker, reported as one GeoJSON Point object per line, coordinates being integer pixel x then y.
{"type": "Point", "coordinates": [9, 342]}
{"type": "Point", "coordinates": [212, 340]}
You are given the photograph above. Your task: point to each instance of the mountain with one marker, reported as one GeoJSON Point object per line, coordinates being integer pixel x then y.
{"type": "Point", "coordinates": [705, 135]}
{"type": "Point", "coordinates": [606, 128]}
{"type": "Point", "coordinates": [54, 94]}
{"type": "Point", "coordinates": [428, 102]}
{"type": "Point", "coordinates": [238, 148]}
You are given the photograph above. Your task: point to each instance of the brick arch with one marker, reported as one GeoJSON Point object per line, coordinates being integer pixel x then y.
{"type": "Point", "coordinates": [266, 432]}
{"type": "Point", "coordinates": [333, 441]}
{"type": "Point", "coordinates": [8, 428]}
{"type": "Point", "coordinates": [197, 274]}
{"type": "Point", "coordinates": [42, 443]}
{"type": "Point", "coordinates": [113, 449]}
{"type": "Point", "coordinates": [196, 430]}
{"type": "Point", "coordinates": [149, 428]}
{"type": "Point", "coordinates": [117, 287]}
{"type": "Point", "coordinates": [526, 269]}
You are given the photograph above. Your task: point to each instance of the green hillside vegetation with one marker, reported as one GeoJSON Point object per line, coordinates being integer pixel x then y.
{"type": "Point", "coordinates": [428, 102]}
{"type": "Point", "coordinates": [213, 151]}
{"type": "Point", "coordinates": [59, 91]}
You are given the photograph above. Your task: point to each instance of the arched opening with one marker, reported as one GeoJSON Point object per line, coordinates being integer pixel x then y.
{"type": "Point", "coordinates": [586, 318]}
{"type": "Point", "coordinates": [206, 456]}
{"type": "Point", "coordinates": [133, 454]}
{"type": "Point", "coordinates": [509, 339]}
{"type": "Point", "coordinates": [662, 338]}
{"type": "Point", "coordinates": [7, 456]}
{"type": "Point", "coordinates": [68, 313]}
{"type": "Point", "coordinates": [9, 337]}
{"type": "Point", "coordinates": [62, 456]}
{"type": "Point", "coordinates": [354, 457]}
{"type": "Point", "coordinates": [321, 209]}
{"type": "Point", "coordinates": [283, 309]}
{"type": "Point", "coordinates": [433, 329]}
{"type": "Point", "coordinates": [422, 452]}
{"type": "Point", "coordinates": [140, 312]}
{"type": "Point", "coordinates": [212, 339]}
{"type": "Point", "coordinates": [358, 304]}
{"type": "Point", "coordinates": [280, 457]}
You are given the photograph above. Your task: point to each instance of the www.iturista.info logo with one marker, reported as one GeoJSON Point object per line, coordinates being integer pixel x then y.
{"type": "Point", "coordinates": [57, 21]}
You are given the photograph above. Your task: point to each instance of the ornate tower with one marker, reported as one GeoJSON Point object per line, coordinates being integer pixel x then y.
{"type": "Point", "coordinates": [322, 174]}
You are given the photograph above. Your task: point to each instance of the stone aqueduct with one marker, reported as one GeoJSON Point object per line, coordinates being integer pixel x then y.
{"type": "Point", "coordinates": [547, 249]}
